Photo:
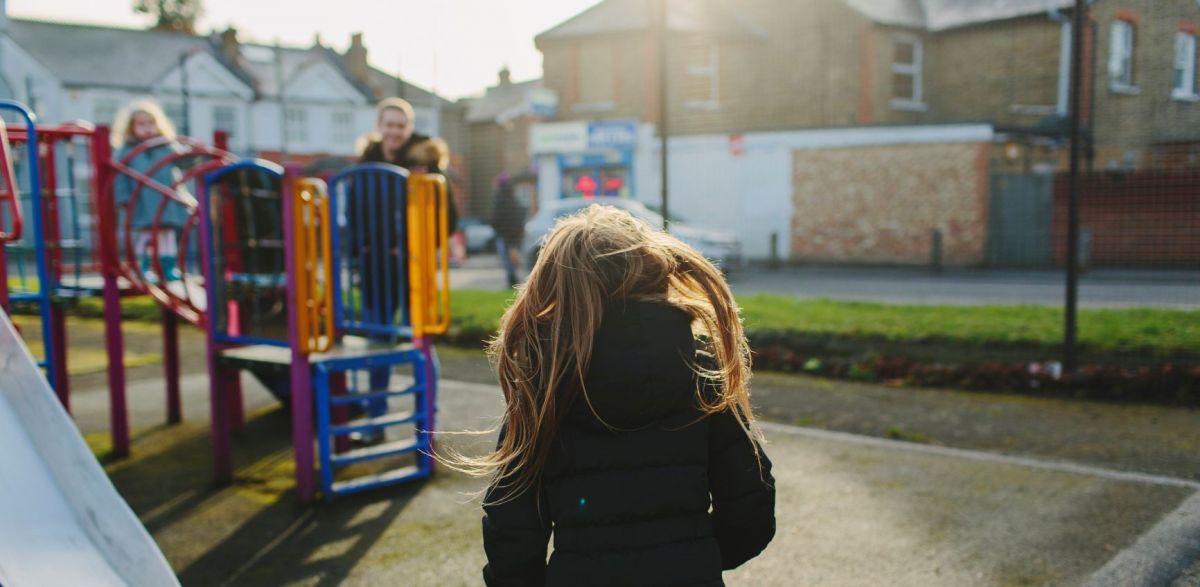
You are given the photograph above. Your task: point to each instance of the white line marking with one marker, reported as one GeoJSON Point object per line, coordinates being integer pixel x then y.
{"type": "Point", "coordinates": [975, 455]}
{"type": "Point", "coordinates": [1160, 555]}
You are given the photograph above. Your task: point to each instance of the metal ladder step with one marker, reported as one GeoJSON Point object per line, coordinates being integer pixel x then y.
{"type": "Point", "coordinates": [351, 398]}
{"type": "Point", "coordinates": [378, 452]}
{"type": "Point", "coordinates": [364, 424]}
{"type": "Point", "coordinates": [372, 481]}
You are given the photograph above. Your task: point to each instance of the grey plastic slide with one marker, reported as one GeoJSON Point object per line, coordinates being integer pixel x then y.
{"type": "Point", "coordinates": [61, 520]}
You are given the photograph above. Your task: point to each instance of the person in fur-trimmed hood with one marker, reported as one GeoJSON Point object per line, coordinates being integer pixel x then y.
{"type": "Point", "coordinates": [394, 142]}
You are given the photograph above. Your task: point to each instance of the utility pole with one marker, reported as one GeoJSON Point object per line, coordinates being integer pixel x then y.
{"type": "Point", "coordinates": [283, 126]}
{"type": "Point", "coordinates": [662, 31]}
{"type": "Point", "coordinates": [1070, 322]}
{"type": "Point", "coordinates": [184, 125]}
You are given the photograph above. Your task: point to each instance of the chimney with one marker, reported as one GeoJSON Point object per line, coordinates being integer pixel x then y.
{"type": "Point", "coordinates": [355, 59]}
{"type": "Point", "coordinates": [229, 44]}
{"type": "Point", "coordinates": [505, 76]}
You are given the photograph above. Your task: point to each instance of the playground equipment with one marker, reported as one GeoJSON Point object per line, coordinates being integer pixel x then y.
{"type": "Point", "coordinates": [327, 297]}
{"type": "Point", "coordinates": [367, 289]}
{"type": "Point", "coordinates": [61, 520]}
{"type": "Point", "coordinates": [34, 289]}
{"type": "Point", "coordinates": [71, 234]}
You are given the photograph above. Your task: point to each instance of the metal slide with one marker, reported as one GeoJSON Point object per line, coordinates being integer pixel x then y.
{"type": "Point", "coordinates": [61, 520]}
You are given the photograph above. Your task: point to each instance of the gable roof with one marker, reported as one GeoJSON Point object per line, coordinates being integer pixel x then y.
{"type": "Point", "coordinates": [136, 59]}
{"type": "Point", "coordinates": [264, 63]}
{"type": "Point", "coordinates": [940, 15]}
{"type": "Point", "coordinates": [616, 16]}
{"type": "Point", "coordinates": [499, 100]}
{"type": "Point", "coordinates": [91, 55]}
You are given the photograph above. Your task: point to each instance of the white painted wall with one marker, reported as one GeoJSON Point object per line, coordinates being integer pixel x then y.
{"type": "Point", "coordinates": [22, 72]}
{"type": "Point", "coordinates": [751, 195]}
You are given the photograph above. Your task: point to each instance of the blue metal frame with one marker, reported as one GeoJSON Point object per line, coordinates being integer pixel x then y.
{"type": "Point", "coordinates": [371, 180]}
{"type": "Point", "coordinates": [211, 179]}
{"type": "Point", "coordinates": [423, 390]}
{"type": "Point", "coordinates": [42, 297]}
{"type": "Point", "coordinates": [341, 186]}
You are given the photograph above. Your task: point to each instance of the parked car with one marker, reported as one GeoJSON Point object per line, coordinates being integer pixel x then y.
{"type": "Point", "coordinates": [722, 248]}
{"type": "Point", "coordinates": [481, 237]}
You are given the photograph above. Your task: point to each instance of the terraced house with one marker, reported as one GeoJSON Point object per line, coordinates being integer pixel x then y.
{"type": "Point", "coordinates": [922, 103]}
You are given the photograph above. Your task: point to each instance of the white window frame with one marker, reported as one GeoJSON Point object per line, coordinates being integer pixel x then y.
{"type": "Point", "coordinates": [1062, 105]}
{"type": "Point", "coordinates": [231, 128]}
{"type": "Point", "coordinates": [1185, 59]}
{"type": "Point", "coordinates": [295, 127]}
{"type": "Point", "coordinates": [343, 126]}
{"type": "Point", "coordinates": [1122, 46]}
{"type": "Point", "coordinates": [916, 102]}
{"type": "Point", "coordinates": [174, 112]}
{"type": "Point", "coordinates": [105, 108]}
{"type": "Point", "coordinates": [712, 71]}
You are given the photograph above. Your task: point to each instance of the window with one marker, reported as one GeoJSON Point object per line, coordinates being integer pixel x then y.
{"type": "Point", "coordinates": [343, 127]}
{"type": "Point", "coordinates": [296, 126]}
{"type": "Point", "coordinates": [701, 81]}
{"type": "Point", "coordinates": [104, 110]}
{"type": "Point", "coordinates": [426, 122]}
{"type": "Point", "coordinates": [174, 112]}
{"type": "Point", "coordinates": [1185, 66]}
{"type": "Point", "coordinates": [595, 77]}
{"type": "Point", "coordinates": [1062, 104]}
{"type": "Point", "coordinates": [906, 74]}
{"type": "Point", "coordinates": [1120, 57]}
{"type": "Point", "coordinates": [225, 119]}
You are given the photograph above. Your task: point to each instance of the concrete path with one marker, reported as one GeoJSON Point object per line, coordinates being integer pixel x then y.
{"type": "Point", "coordinates": [852, 510]}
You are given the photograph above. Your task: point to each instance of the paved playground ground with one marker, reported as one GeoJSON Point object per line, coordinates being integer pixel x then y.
{"type": "Point", "coordinates": [971, 489]}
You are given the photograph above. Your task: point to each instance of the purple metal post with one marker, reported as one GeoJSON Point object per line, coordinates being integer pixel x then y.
{"type": "Point", "coordinates": [53, 238]}
{"type": "Point", "coordinates": [237, 409]}
{"type": "Point", "coordinates": [301, 370]}
{"type": "Point", "coordinates": [114, 341]}
{"type": "Point", "coordinates": [339, 414]}
{"type": "Point", "coordinates": [170, 338]}
{"type": "Point", "coordinates": [58, 326]}
{"type": "Point", "coordinates": [222, 441]}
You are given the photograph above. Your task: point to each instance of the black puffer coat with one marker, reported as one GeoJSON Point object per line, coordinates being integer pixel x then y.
{"type": "Point", "coordinates": [632, 507]}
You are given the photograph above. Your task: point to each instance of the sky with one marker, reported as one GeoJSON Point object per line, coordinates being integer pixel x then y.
{"type": "Point", "coordinates": [455, 46]}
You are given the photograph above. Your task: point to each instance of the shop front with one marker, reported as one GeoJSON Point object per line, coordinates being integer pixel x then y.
{"type": "Point", "coordinates": [585, 158]}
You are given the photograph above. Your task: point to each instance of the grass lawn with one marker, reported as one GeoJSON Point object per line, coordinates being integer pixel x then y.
{"type": "Point", "coordinates": [475, 311]}
{"type": "Point", "coordinates": [977, 325]}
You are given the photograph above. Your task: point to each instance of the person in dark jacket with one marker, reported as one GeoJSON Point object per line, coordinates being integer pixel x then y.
{"type": "Point", "coordinates": [384, 267]}
{"type": "Point", "coordinates": [508, 220]}
{"type": "Point", "coordinates": [627, 434]}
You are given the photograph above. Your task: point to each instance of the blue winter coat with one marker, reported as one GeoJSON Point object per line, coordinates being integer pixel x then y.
{"type": "Point", "coordinates": [148, 200]}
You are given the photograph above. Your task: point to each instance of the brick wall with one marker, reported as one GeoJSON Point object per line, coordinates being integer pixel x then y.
{"type": "Point", "coordinates": [1127, 125]}
{"type": "Point", "coordinates": [495, 149]}
{"type": "Point", "coordinates": [879, 205]}
{"type": "Point", "coordinates": [1005, 72]}
{"type": "Point", "coordinates": [1149, 219]}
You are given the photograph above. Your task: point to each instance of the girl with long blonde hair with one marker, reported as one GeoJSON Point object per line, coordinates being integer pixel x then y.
{"type": "Point", "coordinates": [141, 136]}
{"type": "Point", "coordinates": [627, 432]}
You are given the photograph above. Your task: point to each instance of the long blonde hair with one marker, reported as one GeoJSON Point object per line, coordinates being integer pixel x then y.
{"type": "Point", "coordinates": [122, 128]}
{"type": "Point", "coordinates": [544, 346]}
